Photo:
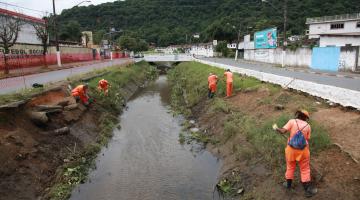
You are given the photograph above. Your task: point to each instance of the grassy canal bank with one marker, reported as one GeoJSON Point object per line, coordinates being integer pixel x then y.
{"type": "Point", "coordinates": [39, 162]}
{"type": "Point", "coordinates": [238, 130]}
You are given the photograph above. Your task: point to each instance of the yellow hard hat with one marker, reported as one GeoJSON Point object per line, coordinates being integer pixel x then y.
{"type": "Point", "coordinates": [305, 112]}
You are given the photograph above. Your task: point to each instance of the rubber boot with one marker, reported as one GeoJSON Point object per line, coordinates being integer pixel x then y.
{"type": "Point", "coordinates": [287, 184]}
{"type": "Point", "coordinates": [309, 190]}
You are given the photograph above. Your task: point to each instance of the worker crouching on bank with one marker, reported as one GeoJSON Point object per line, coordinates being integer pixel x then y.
{"type": "Point", "coordinates": [297, 150]}
{"type": "Point", "coordinates": [80, 94]}
{"type": "Point", "coordinates": [212, 85]}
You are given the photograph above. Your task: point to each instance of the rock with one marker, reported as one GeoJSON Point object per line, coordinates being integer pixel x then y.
{"type": "Point", "coordinates": [318, 103]}
{"type": "Point", "coordinates": [279, 107]}
{"type": "Point", "coordinates": [192, 121]}
{"type": "Point", "coordinates": [66, 160]}
{"type": "Point", "coordinates": [194, 130]}
{"type": "Point", "coordinates": [13, 105]}
{"type": "Point", "coordinates": [240, 191]}
{"type": "Point", "coordinates": [71, 107]}
{"type": "Point", "coordinates": [62, 131]}
{"type": "Point", "coordinates": [67, 101]}
{"type": "Point", "coordinates": [39, 118]}
{"type": "Point", "coordinates": [47, 108]}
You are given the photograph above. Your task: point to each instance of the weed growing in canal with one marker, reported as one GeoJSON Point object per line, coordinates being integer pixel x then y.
{"type": "Point", "coordinates": [76, 171]}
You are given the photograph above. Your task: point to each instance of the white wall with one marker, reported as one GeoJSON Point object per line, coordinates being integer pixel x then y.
{"type": "Point", "coordinates": [339, 41]}
{"type": "Point", "coordinates": [202, 50]}
{"type": "Point", "coordinates": [300, 57]}
{"type": "Point", "coordinates": [347, 61]}
{"type": "Point", "coordinates": [324, 28]}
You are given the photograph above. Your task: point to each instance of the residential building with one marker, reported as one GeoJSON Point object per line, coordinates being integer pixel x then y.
{"type": "Point", "coordinates": [206, 49]}
{"type": "Point", "coordinates": [338, 30]}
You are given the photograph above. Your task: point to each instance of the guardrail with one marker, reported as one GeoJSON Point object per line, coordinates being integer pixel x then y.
{"type": "Point", "coordinates": [333, 18]}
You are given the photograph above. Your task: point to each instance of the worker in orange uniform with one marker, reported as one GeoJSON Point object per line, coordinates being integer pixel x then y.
{"type": "Point", "coordinates": [229, 82]}
{"type": "Point", "coordinates": [212, 82]}
{"type": "Point", "coordinates": [297, 150]}
{"type": "Point", "coordinates": [80, 93]}
{"type": "Point", "coordinates": [104, 86]}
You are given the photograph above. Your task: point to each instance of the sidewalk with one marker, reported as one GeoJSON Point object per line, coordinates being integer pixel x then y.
{"type": "Point", "coordinates": [337, 79]}
{"type": "Point", "coordinates": [354, 75]}
{"type": "Point", "coordinates": [41, 69]}
{"type": "Point", "coordinates": [13, 84]}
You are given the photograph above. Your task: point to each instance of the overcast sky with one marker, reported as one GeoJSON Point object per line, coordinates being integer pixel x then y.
{"type": "Point", "coordinates": [44, 5]}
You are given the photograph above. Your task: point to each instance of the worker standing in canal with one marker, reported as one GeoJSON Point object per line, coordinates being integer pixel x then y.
{"type": "Point", "coordinates": [103, 85]}
{"type": "Point", "coordinates": [212, 84]}
{"type": "Point", "coordinates": [80, 94]}
{"type": "Point", "coordinates": [229, 82]}
{"type": "Point", "coordinates": [297, 150]}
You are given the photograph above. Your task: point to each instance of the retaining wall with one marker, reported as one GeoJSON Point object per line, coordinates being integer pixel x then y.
{"type": "Point", "coordinates": [344, 97]}
{"type": "Point", "coordinates": [302, 57]}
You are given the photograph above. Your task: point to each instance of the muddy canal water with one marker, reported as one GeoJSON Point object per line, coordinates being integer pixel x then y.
{"type": "Point", "coordinates": [145, 161]}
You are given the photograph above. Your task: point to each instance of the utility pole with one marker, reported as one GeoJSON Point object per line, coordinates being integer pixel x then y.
{"type": "Point", "coordinates": [237, 43]}
{"type": "Point", "coordinates": [284, 34]}
{"type": "Point", "coordinates": [58, 58]}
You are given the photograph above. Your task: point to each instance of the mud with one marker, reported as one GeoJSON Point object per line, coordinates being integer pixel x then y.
{"type": "Point", "coordinates": [31, 155]}
{"type": "Point", "coordinates": [339, 173]}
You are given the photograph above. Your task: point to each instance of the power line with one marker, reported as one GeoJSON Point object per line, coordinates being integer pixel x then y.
{"type": "Point", "coordinates": [13, 5]}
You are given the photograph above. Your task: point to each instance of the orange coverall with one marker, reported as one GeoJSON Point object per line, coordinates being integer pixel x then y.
{"type": "Point", "coordinates": [80, 92]}
{"type": "Point", "coordinates": [212, 80]}
{"type": "Point", "coordinates": [103, 85]}
{"type": "Point", "coordinates": [301, 156]}
{"type": "Point", "coordinates": [229, 83]}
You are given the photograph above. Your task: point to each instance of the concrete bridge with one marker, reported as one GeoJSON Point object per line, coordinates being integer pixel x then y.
{"type": "Point", "coordinates": [167, 58]}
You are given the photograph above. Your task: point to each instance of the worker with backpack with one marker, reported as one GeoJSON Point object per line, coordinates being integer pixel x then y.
{"type": "Point", "coordinates": [297, 150]}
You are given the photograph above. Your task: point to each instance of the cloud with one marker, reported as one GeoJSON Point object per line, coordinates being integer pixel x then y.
{"type": "Point", "coordinates": [44, 5]}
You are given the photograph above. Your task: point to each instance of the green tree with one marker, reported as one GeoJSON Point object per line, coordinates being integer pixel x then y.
{"type": "Point", "coordinates": [130, 43]}
{"type": "Point", "coordinates": [98, 36]}
{"type": "Point", "coordinates": [221, 47]}
{"type": "Point", "coordinates": [71, 32]}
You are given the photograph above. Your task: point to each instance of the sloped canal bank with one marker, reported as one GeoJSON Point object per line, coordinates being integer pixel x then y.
{"type": "Point", "coordinates": [144, 160]}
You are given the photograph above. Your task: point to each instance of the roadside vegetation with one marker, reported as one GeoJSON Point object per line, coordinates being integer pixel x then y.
{"type": "Point", "coordinates": [189, 97]}
{"type": "Point", "coordinates": [110, 107]}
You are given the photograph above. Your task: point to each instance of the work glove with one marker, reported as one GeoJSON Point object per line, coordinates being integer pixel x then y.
{"type": "Point", "coordinates": [275, 127]}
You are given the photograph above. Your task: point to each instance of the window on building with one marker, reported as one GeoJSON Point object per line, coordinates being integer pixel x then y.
{"type": "Point", "coordinates": [358, 25]}
{"type": "Point", "coordinates": [337, 26]}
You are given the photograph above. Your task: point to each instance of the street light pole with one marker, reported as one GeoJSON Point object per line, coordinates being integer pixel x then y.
{"type": "Point", "coordinates": [58, 58]}
{"type": "Point", "coordinates": [237, 44]}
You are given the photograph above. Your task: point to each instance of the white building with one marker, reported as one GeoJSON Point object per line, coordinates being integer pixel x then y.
{"type": "Point", "coordinates": [206, 50]}
{"type": "Point", "coordinates": [27, 33]}
{"type": "Point", "coordinates": [338, 30]}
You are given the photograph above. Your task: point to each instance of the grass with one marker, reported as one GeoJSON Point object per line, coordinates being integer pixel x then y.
{"type": "Point", "coordinates": [189, 88]}
{"type": "Point", "coordinates": [77, 170]}
{"type": "Point", "coordinates": [21, 95]}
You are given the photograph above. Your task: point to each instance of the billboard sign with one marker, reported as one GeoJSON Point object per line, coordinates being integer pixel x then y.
{"type": "Point", "coordinates": [266, 39]}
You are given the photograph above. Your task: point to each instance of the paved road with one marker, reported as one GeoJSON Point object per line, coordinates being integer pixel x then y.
{"type": "Point", "coordinates": [342, 82]}
{"type": "Point", "coordinates": [10, 85]}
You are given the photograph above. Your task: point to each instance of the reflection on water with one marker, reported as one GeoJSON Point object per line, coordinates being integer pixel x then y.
{"type": "Point", "coordinates": [145, 161]}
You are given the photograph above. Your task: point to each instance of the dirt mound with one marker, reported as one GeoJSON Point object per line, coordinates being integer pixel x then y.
{"type": "Point", "coordinates": [31, 154]}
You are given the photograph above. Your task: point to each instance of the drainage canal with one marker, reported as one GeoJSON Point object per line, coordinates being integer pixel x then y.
{"type": "Point", "coordinates": [145, 161]}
